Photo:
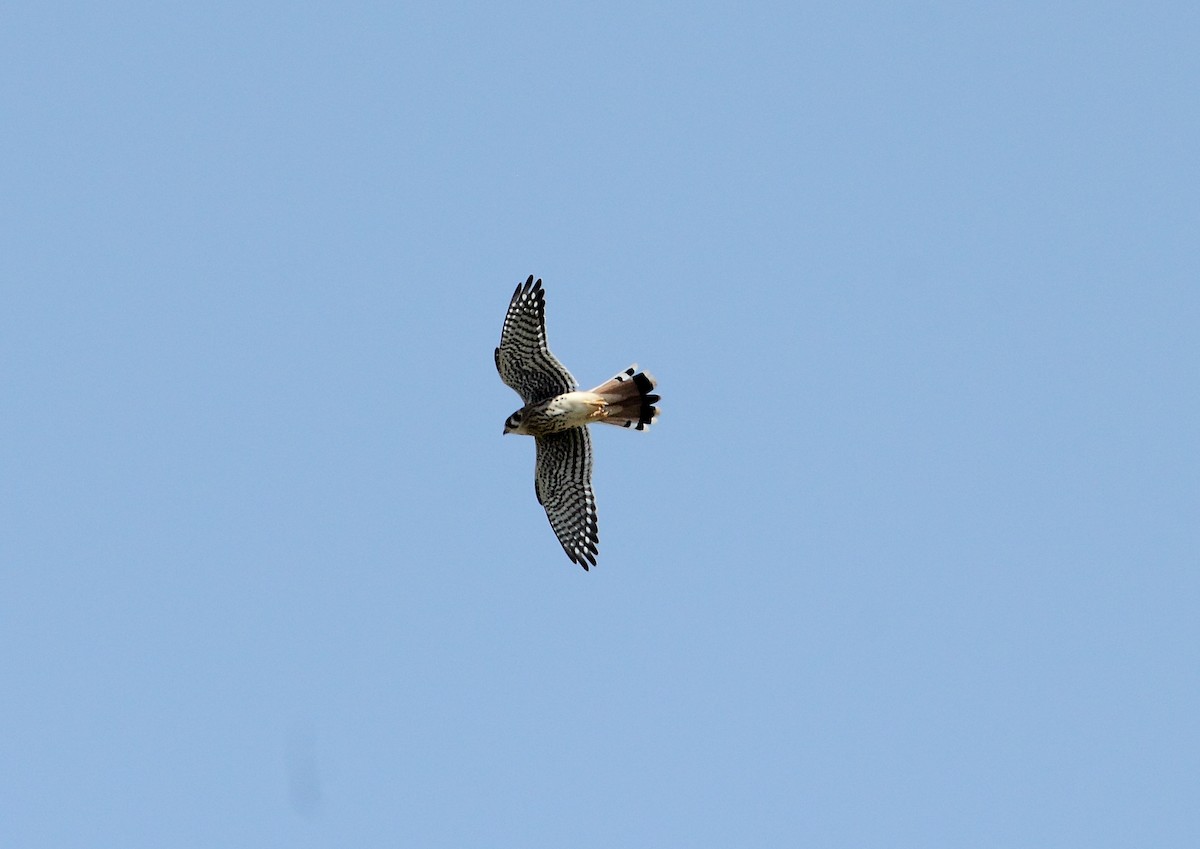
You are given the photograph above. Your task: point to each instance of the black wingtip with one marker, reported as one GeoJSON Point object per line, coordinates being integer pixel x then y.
{"type": "Point", "coordinates": [524, 288]}
{"type": "Point", "coordinates": [585, 557]}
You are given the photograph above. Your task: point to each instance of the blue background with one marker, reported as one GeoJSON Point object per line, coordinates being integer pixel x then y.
{"type": "Point", "coordinates": [909, 560]}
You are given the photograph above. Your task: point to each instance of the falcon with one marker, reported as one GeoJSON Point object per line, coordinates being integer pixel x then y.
{"type": "Point", "coordinates": [557, 417]}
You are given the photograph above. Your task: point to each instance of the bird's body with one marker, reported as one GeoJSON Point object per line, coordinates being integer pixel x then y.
{"type": "Point", "coordinates": [557, 415]}
{"type": "Point", "coordinates": [562, 412]}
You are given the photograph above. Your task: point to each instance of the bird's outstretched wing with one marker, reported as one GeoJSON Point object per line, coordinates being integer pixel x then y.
{"type": "Point", "coordinates": [523, 359]}
{"type": "Point", "coordinates": [563, 481]}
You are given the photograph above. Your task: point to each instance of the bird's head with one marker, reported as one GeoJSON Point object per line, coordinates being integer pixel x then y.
{"type": "Point", "coordinates": [515, 423]}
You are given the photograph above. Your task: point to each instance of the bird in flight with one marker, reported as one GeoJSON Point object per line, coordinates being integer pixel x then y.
{"type": "Point", "coordinates": [557, 416]}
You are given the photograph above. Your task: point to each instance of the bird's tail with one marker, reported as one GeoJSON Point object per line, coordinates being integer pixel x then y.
{"type": "Point", "coordinates": [628, 400]}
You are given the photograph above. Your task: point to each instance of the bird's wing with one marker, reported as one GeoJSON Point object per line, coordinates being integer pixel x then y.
{"type": "Point", "coordinates": [563, 481]}
{"type": "Point", "coordinates": [523, 359]}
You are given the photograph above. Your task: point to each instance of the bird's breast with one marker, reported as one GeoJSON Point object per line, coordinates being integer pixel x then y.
{"type": "Point", "coordinates": [563, 412]}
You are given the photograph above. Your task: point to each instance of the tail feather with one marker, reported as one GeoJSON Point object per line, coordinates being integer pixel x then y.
{"type": "Point", "coordinates": [628, 399]}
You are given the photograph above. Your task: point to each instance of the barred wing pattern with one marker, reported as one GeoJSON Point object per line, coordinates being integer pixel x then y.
{"type": "Point", "coordinates": [563, 481]}
{"type": "Point", "coordinates": [523, 359]}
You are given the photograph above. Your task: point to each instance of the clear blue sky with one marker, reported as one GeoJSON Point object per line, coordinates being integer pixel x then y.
{"type": "Point", "coordinates": [910, 560]}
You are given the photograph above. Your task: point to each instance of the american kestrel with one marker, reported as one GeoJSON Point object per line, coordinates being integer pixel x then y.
{"type": "Point", "coordinates": [557, 416]}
